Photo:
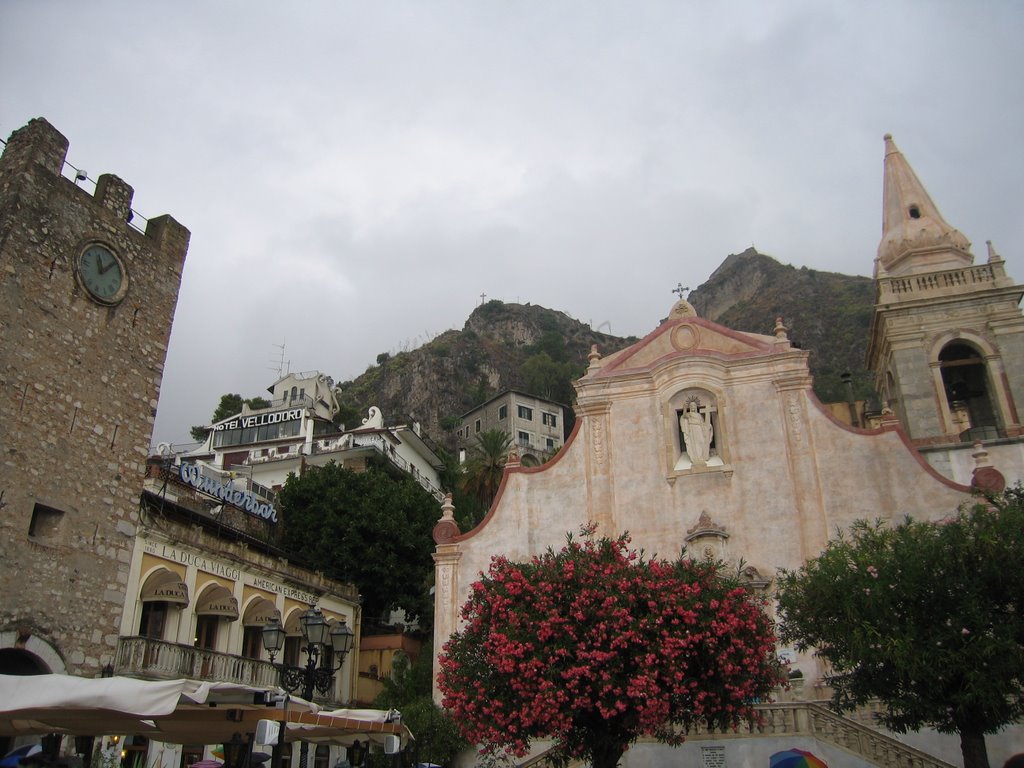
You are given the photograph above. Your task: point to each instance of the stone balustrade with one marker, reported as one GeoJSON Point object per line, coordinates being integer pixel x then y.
{"type": "Point", "coordinates": [919, 286]}
{"type": "Point", "coordinates": [146, 658]}
{"type": "Point", "coordinates": [808, 720]}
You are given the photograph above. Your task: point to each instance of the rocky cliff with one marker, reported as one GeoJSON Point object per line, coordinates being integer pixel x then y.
{"type": "Point", "coordinates": [827, 313]}
{"type": "Point", "coordinates": [539, 350]}
{"type": "Point", "coordinates": [501, 346]}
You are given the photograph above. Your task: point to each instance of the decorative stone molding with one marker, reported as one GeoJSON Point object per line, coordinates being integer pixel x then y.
{"type": "Point", "coordinates": [446, 528]}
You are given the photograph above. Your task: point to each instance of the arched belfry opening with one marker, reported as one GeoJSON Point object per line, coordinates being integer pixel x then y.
{"type": "Point", "coordinates": [968, 391]}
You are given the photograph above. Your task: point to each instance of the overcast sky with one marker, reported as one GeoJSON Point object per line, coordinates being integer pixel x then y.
{"type": "Point", "coordinates": [356, 175]}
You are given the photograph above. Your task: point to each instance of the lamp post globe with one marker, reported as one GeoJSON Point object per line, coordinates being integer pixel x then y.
{"type": "Point", "coordinates": [326, 646]}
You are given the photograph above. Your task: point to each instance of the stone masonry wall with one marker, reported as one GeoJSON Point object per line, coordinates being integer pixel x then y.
{"type": "Point", "coordinates": [79, 383]}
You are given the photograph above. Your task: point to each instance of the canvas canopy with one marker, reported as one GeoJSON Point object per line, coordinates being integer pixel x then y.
{"type": "Point", "coordinates": [174, 711]}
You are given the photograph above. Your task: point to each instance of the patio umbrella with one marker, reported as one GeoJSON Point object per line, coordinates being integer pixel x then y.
{"type": "Point", "coordinates": [796, 758]}
{"type": "Point", "coordinates": [12, 758]}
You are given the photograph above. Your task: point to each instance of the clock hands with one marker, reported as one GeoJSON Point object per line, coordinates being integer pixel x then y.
{"type": "Point", "coordinates": [103, 269]}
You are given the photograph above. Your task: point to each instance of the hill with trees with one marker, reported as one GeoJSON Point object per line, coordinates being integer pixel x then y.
{"type": "Point", "coordinates": [541, 351]}
{"type": "Point", "coordinates": [827, 313]}
{"type": "Point", "coordinates": [501, 346]}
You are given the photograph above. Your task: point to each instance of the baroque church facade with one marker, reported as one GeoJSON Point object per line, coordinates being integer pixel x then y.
{"type": "Point", "coordinates": [703, 437]}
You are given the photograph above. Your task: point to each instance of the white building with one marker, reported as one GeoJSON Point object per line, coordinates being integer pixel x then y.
{"type": "Point", "coordinates": [255, 450]}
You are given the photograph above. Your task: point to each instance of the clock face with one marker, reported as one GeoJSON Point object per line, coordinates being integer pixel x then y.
{"type": "Point", "coordinates": [102, 274]}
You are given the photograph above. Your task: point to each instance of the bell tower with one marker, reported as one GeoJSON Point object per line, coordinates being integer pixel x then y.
{"type": "Point", "coordinates": [86, 302]}
{"type": "Point", "coordinates": [947, 338]}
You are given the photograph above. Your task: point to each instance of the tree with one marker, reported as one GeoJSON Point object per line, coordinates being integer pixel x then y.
{"type": "Point", "coordinates": [408, 689]}
{"type": "Point", "coordinates": [485, 465]}
{"type": "Point", "coordinates": [548, 378]}
{"type": "Point", "coordinates": [229, 405]}
{"type": "Point", "coordinates": [368, 528]}
{"type": "Point", "coordinates": [926, 617]}
{"type": "Point", "coordinates": [595, 646]}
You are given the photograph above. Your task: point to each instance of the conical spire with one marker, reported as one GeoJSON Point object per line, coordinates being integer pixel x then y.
{"type": "Point", "coordinates": [915, 237]}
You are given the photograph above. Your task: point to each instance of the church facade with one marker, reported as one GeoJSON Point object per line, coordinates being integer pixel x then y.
{"type": "Point", "coordinates": [703, 437]}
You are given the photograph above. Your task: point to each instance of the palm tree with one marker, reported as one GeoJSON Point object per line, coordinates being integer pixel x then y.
{"type": "Point", "coordinates": [485, 465]}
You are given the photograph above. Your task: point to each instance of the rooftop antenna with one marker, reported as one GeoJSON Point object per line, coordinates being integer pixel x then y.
{"type": "Point", "coordinates": [279, 364]}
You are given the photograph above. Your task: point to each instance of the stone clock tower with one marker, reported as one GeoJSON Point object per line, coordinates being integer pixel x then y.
{"type": "Point", "coordinates": [86, 304]}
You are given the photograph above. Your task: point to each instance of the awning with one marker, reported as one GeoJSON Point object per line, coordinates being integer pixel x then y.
{"type": "Point", "coordinates": [165, 585]}
{"type": "Point", "coordinates": [217, 601]}
{"type": "Point", "coordinates": [261, 611]}
{"type": "Point", "coordinates": [174, 711]}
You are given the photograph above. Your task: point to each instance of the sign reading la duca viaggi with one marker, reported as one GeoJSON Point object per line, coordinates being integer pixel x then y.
{"type": "Point", "coordinates": [192, 474]}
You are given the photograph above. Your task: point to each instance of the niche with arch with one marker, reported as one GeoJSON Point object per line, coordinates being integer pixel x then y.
{"type": "Point", "coordinates": [696, 425]}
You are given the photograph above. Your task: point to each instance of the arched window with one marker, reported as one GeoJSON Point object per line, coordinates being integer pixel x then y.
{"type": "Point", "coordinates": [968, 391]}
{"type": "Point", "coordinates": [322, 757]}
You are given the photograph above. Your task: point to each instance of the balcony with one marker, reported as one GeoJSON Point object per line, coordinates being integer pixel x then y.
{"type": "Point", "coordinates": [150, 659]}
{"type": "Point", "coordinates": [158, 659]}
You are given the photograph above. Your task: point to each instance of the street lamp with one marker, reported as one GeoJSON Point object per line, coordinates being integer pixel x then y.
{"type": "Point", "coordinates": [324, 641]}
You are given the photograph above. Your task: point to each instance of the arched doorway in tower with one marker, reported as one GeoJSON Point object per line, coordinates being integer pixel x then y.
{"type": "Point", "coordinates": [968, 392]}
{"type": "Point", "coordinates": [18, 661]}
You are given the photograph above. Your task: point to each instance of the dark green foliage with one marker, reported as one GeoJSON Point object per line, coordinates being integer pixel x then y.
{"type": "Point", "coordinates": [368, 528]}
{"type": "Point", "coordinates": [449, 423]}
{"type": "Point", "coordinates": [468, 509]}
{"type": "Point", "coordinates": [481, 392]}
{"type": "Point", "coordinates": [485, 465]}
{"type": "Point", "coordinates": [492, 308]}
{"type": "Point", "coordinates": [544, 377]}
{"type": "Point", "coordinates": [409, 691]}
{"type": "Point", "coordinates": [828, 314]}
{"type": "Point", "coordinates": [230, 404]}
{"type": "Point", "coordinates": [926, 617]}
{"type": "Point", "coordinates": [551, 343]}
{"type": "Point", "coordinates": [460, 369]}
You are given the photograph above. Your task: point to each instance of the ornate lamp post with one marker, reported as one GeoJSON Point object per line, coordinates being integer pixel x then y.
{"type": "Point", "coordinates": [326, 647]}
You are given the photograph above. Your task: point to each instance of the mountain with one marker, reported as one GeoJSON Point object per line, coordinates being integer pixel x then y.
{"type": "Point", "coordinates": [501, 346]}
{"type": "Point", "coordinates": [541, 351]}
{"type": "Point", "coordinates": [827, 313]}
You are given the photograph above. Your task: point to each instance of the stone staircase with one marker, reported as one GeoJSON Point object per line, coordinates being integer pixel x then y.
{"type": "Point", "coordinates": [810, 720]}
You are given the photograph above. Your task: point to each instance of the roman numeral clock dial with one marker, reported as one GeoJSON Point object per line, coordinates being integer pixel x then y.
{"type": "Point", "coordinates": [101, 272]}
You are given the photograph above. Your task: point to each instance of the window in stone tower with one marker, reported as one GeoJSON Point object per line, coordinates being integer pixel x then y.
{"type": "Point", "coordinates": [968, 394]}
{"type": "Point", "coordinates": [915, 212]}
{"type": "Point", "coordinates": [46, 523]}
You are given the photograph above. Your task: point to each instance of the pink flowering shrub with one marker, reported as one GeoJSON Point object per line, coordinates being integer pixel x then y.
{"type": "Point", "coordinates": [594, 646]}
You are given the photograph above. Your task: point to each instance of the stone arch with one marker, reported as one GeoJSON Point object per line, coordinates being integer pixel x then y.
{"type": "Point", "coordinates": [530, 460]}
{"type": "Point", "coordinates": [22, 653]}
{"type": "Point", "coordinates": [974, 401]}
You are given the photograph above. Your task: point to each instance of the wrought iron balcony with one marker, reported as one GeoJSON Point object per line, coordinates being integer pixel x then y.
{"type": "Point", "coordinates": [146, 658]}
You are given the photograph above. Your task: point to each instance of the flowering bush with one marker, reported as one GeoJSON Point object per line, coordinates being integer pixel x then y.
{"type": "Point", "coordinates": [926, 617]}
{"type": "Point", "coordinates": [594, 646]}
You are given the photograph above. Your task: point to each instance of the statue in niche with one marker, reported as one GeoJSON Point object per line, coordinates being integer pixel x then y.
{"type": "Point", "coordinates": [697, 432]}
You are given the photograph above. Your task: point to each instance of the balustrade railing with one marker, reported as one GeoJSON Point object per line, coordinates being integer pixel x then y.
{"type": "Point", "coordinates": [982, 274]}
{"type": "Point", "coordinates": [812, 720]}
{"type": "Point", "coordinates": [149, 658]}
